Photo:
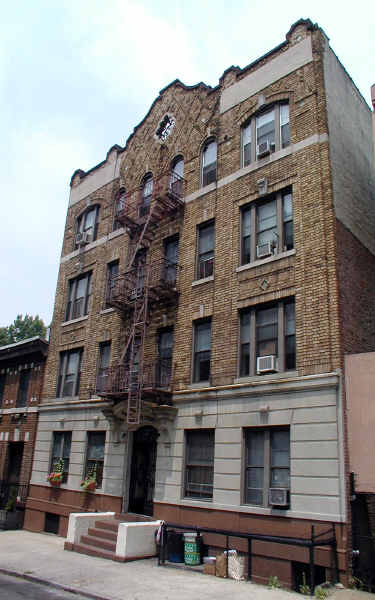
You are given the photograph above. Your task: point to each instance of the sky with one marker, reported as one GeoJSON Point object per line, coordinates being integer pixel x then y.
{"type": "Point", "coordinates": [76, 77]}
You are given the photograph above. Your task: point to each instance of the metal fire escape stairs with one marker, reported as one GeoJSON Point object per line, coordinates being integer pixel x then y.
{"type": "Point", "coordinates": [139, 279]}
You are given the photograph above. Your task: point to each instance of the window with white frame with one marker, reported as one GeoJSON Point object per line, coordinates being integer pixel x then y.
{"type": "Point", "coordinates": [103, 365]}
{"type": "Point", "coordinates": [146, 196]}
{"type": "Point", "coordinates": [87, 226]}
{"type": "Point", "coordinates": [61, 444]}
{"type": "Point", "coordinates": [205, 250]}
{"type": "Point", "coordinates": [79, 295]}
{"type": "Point", "coordinates": [265, 133]}
{"type": "Point", "coordinates": [209, 162]}
{"type": "Point", "coordinates": [267, 227]}
{"type": "Point", "coordinates": [95, 455]}
{"type": "Point", "coordinates": [177, 175]}
{"type": "Point", "coordinates": [69, 373]}
{"type": "Point", "coordinates": [199, 463]}
{"type": "Point", "coordinates": [120, 203]}
{"type": "Point", "coordinates": [268, 338]}
{"type": "Point", "coordinates": [267, 465]}
{"type": "Point", "coordinates": [202, 351]}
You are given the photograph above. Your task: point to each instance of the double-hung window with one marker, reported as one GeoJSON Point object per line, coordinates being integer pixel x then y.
{"type": "Point", "coordinates": [103, 365]}
{"type": "Point", "coordinates": [205, 254]}
{"type": "Point", "coordinates": [170, 260]}
{"type": "Point", "coordinates": [267, 227]}
{"type": "Point", "coordinates": [177, 174]}
{"type": "Point", "coordinates": [69, 373]}
{"type": "Point", "coordinates": [146, 195]}
{"type": "Point", "coordinates": [269, 130]}
{"type": "Point", "coordinates": [268, 338]}
{"type": "Point", "coordinates": [23, 387]}
{"type": "Point", "coordinates": [112, 274]}
{"type": "Point", "coordinates": [2, 386]}
{"type": "Point", "coordinates": [209, 163]}
{"type": "Point", "coordinates": [87, 226]}
{"type": "Point", "coordinates": [165, 352]}
{"type": "Point", "coordinates": [199, 463]}
{"type": "Point", "coordinates": [202, 351]}
{"type": "Point", "coordinates": [95, 455]}
{"type": "Point", "coordinates": [120, 204]}
{"type": "Point", "coordinates": [79, 294]}
{"type": "Point", "coordinates": [61, 450]}
{"type": "Point", "coordinates": [267, 463]}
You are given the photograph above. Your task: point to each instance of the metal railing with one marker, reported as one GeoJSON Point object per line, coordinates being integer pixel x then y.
{"type": "Point", "coordinates": [12, 495]}
{"type": "Point", "coordinates": [324, 538]}
{"type": "Point", "coordinates": [161, 278]}
{"type": "Point", "coordinates": [117, 379]}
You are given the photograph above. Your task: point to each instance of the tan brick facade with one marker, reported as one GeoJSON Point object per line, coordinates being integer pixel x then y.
{"type": "Point", "coordinates": [313, 272]}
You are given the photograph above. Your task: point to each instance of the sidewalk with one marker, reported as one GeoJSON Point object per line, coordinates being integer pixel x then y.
{"type": "Point", "coordinates": [42, 557]}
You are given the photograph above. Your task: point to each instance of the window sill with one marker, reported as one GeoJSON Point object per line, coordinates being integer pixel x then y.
{"type": "Point", "coordinates": [203, 280]}
{"type": "Point", "coordinates": [271, 376]}
{"type": "Point", "coordinates": [105, 311]}
{"type": "Point", "coordinates": [72, 321]}
{"type": "Point", "coordinates": [264, 261]}
{"type": "Point", "coordinates": [199, 384]}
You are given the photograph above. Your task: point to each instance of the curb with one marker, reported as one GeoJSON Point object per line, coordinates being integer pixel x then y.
{"type": "Point", "coordinates": [58, 586]}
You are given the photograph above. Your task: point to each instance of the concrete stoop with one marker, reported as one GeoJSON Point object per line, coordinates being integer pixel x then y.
{"type": "Point", "coordinates": [116, 537]}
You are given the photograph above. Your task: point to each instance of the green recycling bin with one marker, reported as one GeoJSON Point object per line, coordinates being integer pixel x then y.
{"type": "Point", "coordinates": [192, 547]}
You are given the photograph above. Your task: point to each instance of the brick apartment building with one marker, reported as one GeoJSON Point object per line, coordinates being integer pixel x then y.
{"type": "Point", "coordinates": [214, 272]}
{"type": "Point", "coordinates": [21, 379]}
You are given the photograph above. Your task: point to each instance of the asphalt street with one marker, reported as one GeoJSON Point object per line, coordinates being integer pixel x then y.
{"type": "Point", "coordinates": [16, 588]}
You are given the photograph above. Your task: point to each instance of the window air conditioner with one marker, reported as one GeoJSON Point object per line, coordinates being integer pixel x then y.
{"type": "Point", "coordinates": [263, 149]}
{"type": "Point", "coordinates": [264, 250]}
{"type": "Point", "coordinates": [266, 364]}
{"type": "Point", "coordinates": [278, 497]}
{"type": "Point", "coordinates": [84, 237]}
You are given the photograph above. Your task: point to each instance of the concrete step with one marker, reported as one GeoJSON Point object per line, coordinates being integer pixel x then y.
{"type": "Point", "coordinates": [105, 534]}
{"type": "Point", "coordinates": [107, 525]}
{"type": "Point", "coordinates": [91, 551]}
{"type": "Point", "coordinates": [97, 542]}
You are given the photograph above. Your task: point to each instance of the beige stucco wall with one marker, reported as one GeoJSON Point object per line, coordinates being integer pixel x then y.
{"type": "Point", "coordinates": [360, 394]}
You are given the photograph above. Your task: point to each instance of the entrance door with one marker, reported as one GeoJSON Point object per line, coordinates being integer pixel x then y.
{"type": "Point", "coordinates": [142, 478]}
{"type": "Point", "coordinates": [15, 454]}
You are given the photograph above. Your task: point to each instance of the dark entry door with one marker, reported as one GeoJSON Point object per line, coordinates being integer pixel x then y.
{"type": "Point", "coordinates": [15, 454]}
{"type": "Point", "coordinates": [142, 479]}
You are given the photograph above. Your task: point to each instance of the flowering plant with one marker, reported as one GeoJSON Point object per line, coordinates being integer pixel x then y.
{"type": "Point", "coordinates": [56, 476]}
{"type": "Point", "coordinates": [89, 483]}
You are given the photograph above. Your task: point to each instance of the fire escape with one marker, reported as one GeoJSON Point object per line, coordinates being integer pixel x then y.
{"type": "Point", "coordinates": [145, 284]}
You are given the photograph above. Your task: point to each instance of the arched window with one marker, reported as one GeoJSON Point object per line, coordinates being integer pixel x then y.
{"type": "Point", "coordinates": [147, 189]}
{"type": "Point", "coordinates": [87, 226]}
{"type": "Point", "coordinates": [209, 162]}
{"type": "Point", "coordinates": [120, 203]}
{"type": "Point", "coordinates": [177, 174]}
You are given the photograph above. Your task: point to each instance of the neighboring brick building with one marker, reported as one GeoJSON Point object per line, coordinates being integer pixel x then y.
{"type": "Point", "coordinates": [21, 379]}
{"type": "Point", "coordinates": [201, 323]}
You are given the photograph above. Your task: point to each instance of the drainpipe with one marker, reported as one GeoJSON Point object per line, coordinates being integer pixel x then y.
{"type": "Point", "coordinates": [373, 112]}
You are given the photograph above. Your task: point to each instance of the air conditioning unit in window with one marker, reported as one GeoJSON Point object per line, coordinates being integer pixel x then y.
{"type": "Point", "coordinates": [278, 497]}
{"type": "Point", "coordinates": [263, 149]}
{"type": "Point", "coordinates": [264, 250]}
{"type": "Point", "coordinates": [83, 238]}
{"type": "Point", "coordinates": [266, 364]}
